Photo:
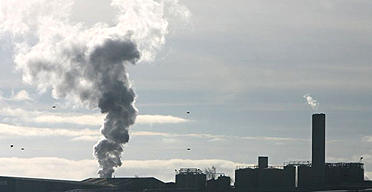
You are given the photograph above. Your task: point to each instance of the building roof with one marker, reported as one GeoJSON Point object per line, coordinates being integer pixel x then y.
{"type": "Point", "coordinates": [123, 182]}
{"type": "Point", "coordinates": [50, 180]}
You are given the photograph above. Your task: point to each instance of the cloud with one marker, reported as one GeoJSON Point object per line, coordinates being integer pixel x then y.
{"type": "Point", "coordinates": [159, 119]}
{"type": "Point", "coordinates": [94, 135]}
{"type": "Point", "coordinates": [22, 95]}
{"type": "Point", "coordinates": [69, 118]}
{"type": "Point", "coordinates": [98, 119]}
{"type": "Point", "coordinates": [83, 119]}
{"type": "Point", "coordinates": [367, 138]}
{"type": "Point", "coordinates": [212, 137]}
{"type": "Point", "coordinates": [41, 167]}
{"type": "Point", "coordinates": [12, 130]}
{"type": "Point", "coordinates": [81, 169]}
{"type": "Point", "coordinates": [87, 138]}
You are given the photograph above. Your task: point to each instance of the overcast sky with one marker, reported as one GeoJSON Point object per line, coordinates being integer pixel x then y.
{"type": "Point", "coordinates": [241, 68]}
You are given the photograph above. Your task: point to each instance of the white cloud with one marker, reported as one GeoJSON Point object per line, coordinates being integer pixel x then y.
{"type": "Point", "coordinates": [87, 138]}
{"type": "Point", "coordinates": [22, 95]}
{"type": "Point", "coordinates": [68, 118]}
{"type": "Point", "coordinates": [170, 140]}
{"type": "Point", "coordinates": [41, 167]}
{"type": "Point", "coordinates": [367, 138]}
{"type": "Point", "coordinates": [12, 130]}
{"type": "Point", "coordinates": [81, 169]}
{"type": "Point", "coordinates": [83, 119]}
{"type": "Point", "coordinates": [212, 137]}
{"type": "Point", "coordinates": [94, 135]}
{"type": "Point", "coordinates": [159, 119]}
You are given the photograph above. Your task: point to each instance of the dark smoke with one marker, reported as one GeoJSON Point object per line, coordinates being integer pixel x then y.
{"type": "Point", "coordinates": [117, 100]}
{"type": "Point", "coordinates": [87, 66]}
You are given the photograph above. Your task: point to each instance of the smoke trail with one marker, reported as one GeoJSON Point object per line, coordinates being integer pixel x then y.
{"type": "Point", "coordinates": [312, 102]}
{"type": "Point", "coordinates": [87, 66]}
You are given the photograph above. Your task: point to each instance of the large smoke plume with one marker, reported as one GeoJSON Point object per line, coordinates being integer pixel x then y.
{"type": "Point", "coordinates": [87, 66]}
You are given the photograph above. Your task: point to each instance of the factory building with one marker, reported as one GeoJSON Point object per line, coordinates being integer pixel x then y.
{"type": "Point", "coordinates": [221, 184]}
{"type": "Point", "coordinates": [343, 173]}
{"type": "Point", "coordinates": [263, 176]}
{"type": "Point", "coordinates": [191, 178]}
{"type": "Point", "coordinates": [315, 174]}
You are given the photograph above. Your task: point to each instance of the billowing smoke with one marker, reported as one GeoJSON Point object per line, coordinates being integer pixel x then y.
{"type": "Point", "coordinates": [311, 101]}
{"type": "Point", "coordinates": [87, 66]}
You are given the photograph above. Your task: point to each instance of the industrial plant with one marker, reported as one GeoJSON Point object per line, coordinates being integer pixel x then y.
{"type": "Point", "coordinates": [301, 176]}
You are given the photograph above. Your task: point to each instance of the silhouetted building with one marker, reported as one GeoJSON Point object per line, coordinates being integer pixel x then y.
{"type": "Point", "coordinates": [304, 176]}
{"type": "Point", "coordinates": [221, 184]}
{"type": "Point", "coordinates": [338, 174]}
{"type": "Point", "coordinates": [264, 177]}
{"type": "Point", "coordinates": [20, 184]}
{"type": "Point", "coordinates": [135, 184]}
{"type": "Point", "coordinates": [191, 178]}
{"type": "Point", "coordinates": [297, 176]}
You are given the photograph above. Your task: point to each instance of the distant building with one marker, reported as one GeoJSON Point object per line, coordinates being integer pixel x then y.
{"type": "Point", "coordinates": [338, 174]}
{"type": "Point", "coordinates": [136, 184]}
{"type": "Point", "coordinates": [265, 177]}
{"type": "Point", "coordinates": [191, 178]}
{"type": "Point", "coordinates": [303, 175]}
{"type": "Point", "coordinates": [300, 176]}
{"type": "Point", "coordinates": [221, 184]}
{"type": "Point", "coordinates": [20, 184]}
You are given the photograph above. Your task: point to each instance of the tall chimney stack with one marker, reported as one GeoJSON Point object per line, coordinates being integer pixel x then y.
{"type": "Point", "coordinates": [318, 150]}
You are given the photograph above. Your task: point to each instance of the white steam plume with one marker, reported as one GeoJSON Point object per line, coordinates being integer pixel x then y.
{"type": "Point", "coordinates": [87, 66]}
{"type": "Point", "coordinates": [311, 101]}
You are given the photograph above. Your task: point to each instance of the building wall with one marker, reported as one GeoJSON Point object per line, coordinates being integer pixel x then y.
{"type": "Point", "coordinates": [344, 173]}
{"type": "Point", "coordinates": [246, 178]}
{"type": "Point", "coordinates": [270, 178]}
{"type": "Point", "coordinates": [303, 176]}
{"type": "Point", "coordinates": [191, 181]}
{"type": "Point", "coordinates": [289, 174]}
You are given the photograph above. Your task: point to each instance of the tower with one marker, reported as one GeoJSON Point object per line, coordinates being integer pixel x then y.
{"type": "Point", "coordinates": [318, 150]}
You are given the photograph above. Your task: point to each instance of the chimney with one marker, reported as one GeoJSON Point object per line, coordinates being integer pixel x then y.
{"type": "Point", "coordinates": [263, 162]}
{"type": "Point", "coordinates": [318, 150]}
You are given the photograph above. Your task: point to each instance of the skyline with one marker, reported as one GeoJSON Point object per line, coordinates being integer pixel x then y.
{"type": "Point", "coordinates": [240, 68]}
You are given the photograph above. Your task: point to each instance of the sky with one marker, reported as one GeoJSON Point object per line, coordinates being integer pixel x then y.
{"type": "Point", "coordinates": [241, 68]}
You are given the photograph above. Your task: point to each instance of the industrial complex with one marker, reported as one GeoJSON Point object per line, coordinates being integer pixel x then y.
{"type": "Point", "coordinates": [314, 175]}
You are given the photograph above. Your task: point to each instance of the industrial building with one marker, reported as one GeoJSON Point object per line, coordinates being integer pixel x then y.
{"type": "Point", "coordinates": [191, 178]}
{"type": "Point", "coordinates": [265, 177]}
{"type": "Point", "coordinates": [314, 175]}
{"type": "Point", "coordinates": [303, 175]}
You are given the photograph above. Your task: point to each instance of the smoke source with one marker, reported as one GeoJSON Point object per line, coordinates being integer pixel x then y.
{"type": "Point", "coordinates": [87, 66]}
{"type": "Point", "coordinates": [311, 101]}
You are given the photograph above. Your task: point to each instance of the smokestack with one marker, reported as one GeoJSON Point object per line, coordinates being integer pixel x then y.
{"type": "Point", "coordinates": [318, 150]}
{"type": "Point", "coordinates": [263, 162]}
